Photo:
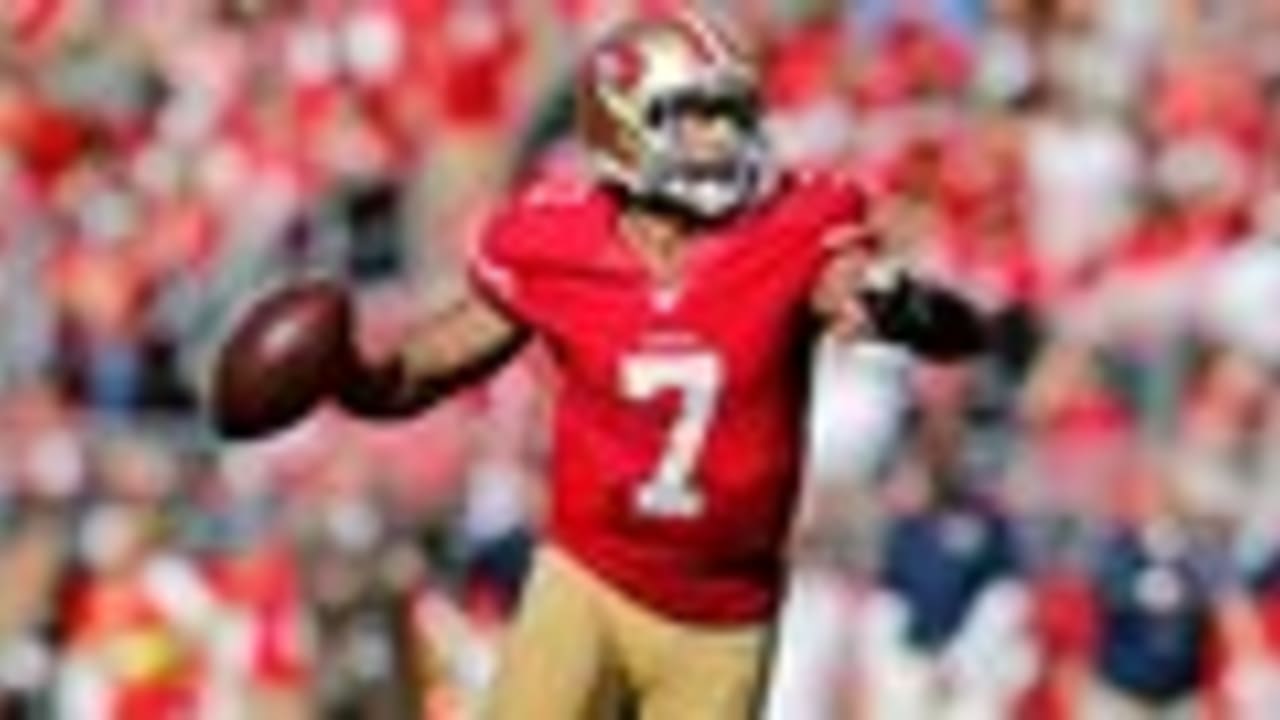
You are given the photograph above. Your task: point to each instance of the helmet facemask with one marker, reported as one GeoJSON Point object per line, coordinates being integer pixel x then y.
{"type": "Point", "coordinates": [706, 182]}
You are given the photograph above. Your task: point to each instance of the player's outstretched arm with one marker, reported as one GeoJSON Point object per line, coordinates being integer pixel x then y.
{"type": "Point", "coordinates": [294, 348]}
{"type": "Point", "coordinates": [926, 317]}
{"type": "Point", "coordinates": [862, 295]}
{"type": "Point", "coordinates": [460, 344]}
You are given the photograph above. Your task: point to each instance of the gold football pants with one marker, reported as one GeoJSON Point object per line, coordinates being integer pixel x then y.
{"type": "Point", "coordinates": [579, 649]}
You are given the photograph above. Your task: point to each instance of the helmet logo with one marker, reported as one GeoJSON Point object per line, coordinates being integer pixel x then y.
{"type": "Point", "coordinates": [621, 67]}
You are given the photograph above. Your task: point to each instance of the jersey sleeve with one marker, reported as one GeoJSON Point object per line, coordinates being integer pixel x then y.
{"type": "Point", "coordinates": [526, 244]}
{"type": "Point", "coordinates": [499, 266]}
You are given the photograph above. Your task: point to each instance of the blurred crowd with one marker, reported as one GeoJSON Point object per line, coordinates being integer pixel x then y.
{"type": "Point", "coordinates": [1085, 524]}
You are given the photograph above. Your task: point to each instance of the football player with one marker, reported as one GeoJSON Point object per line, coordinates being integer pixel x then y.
{"type": "Point", "coordinates": [679, 291]}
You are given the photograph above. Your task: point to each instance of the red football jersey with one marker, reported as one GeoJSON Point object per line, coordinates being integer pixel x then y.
{"type": "Point", "coordinates": [679, 416]}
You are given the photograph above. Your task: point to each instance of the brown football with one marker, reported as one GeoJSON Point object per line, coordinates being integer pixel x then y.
{"type": "Point", "coordinates": [281, 359]}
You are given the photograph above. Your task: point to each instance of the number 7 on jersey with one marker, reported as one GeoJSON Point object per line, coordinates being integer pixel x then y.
{"type": "Point", "coordinates": [698, 377]}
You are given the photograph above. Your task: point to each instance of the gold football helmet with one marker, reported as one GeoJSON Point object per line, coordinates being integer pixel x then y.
{"type": "Point", "coordinates": [639, 85]}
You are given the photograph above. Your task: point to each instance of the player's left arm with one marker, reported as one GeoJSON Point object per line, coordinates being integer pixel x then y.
{"type": "Point", "coordinates": [862, 293]}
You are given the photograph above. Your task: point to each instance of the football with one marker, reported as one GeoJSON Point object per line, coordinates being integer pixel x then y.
{"type": "Point", "coordinates": [281, 359]}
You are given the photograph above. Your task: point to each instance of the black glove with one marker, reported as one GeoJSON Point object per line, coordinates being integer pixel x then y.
{"type": "Point", "coordinates": [932, 321]}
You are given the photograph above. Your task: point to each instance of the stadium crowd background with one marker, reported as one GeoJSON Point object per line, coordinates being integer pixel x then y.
{"type": "Point", "coordinates": [1084, 525]}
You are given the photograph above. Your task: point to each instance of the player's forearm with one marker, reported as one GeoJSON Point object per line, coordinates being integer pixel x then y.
{"type": "Point", "coordinates": [927, 318]}
{"type": "Point", "coordinates": [409, 382]}
{"type": "Point", "coordinates": [460, 346]}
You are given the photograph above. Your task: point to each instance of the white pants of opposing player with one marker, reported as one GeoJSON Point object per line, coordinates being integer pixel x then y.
{"type": "Point", "coordinates": [859, 398]}
{"type": "Point", "coordinates": [812, 649]}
